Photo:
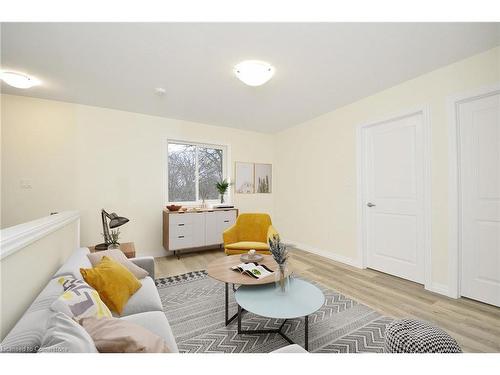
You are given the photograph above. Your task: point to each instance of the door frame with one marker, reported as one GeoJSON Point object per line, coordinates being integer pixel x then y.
{"type": "Point", "coordinates": [424, 110]}
{"type": "Point", "coordinates": [454, 186]}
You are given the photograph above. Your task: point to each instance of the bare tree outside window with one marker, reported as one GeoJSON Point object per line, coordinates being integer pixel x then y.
{"type": "Point", "coordinates": [181, 172]}
{"type": "Point", "coordinates": [183, 176]}
{"type": "Point", "coordinates": [210, 172]}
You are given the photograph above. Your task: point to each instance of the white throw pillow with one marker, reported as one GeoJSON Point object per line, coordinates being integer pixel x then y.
{"type": "Point", "coordinates": [64, 335]}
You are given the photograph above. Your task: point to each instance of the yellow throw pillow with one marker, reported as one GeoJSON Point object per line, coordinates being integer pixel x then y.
{"type": "Point", "coordinates": [114, 283]}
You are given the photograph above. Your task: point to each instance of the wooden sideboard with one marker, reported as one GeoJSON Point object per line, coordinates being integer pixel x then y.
{"type": "Point", "coordinates": [196, 229]}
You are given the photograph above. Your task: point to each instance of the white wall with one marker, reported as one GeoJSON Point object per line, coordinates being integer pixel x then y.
{"type": "Point", "coordinates": [88, 158]}
{"type": "Point", "coordinates": [67, 151]}
{"type": "Point", "coordinates": [30, 255]}
{"type": "Point", "coordinates": [315, 162]}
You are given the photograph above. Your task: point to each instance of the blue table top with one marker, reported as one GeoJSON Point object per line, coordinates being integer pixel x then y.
{"type": "Point", "coordinates": [301, 299]}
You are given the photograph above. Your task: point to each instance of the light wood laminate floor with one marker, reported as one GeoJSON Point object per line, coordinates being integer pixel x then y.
{"type": "Point", "coordinates": [475, 325]}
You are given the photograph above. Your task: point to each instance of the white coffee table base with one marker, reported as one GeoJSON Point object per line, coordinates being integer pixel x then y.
{"type": "Point", "coordinates": [301, 300]}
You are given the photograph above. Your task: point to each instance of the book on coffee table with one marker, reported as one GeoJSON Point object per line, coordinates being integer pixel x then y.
{"type": "Point", "coordinates": [253, 269]}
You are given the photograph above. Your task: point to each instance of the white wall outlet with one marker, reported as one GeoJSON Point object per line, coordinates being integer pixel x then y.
{"type": "Point", "coordinates": [25, 184]}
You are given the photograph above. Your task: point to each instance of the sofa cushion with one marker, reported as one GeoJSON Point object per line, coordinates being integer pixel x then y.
{"type": "Point", "coordinates": [156, 322]}
{"type": "Point", "coordinates": [78, 259]}
{"type": "Point", "coordinates": [114, 283]}
{"type": "Point", "coordinates": [145, 299]}
{"type": "Point", "coordinates": [247, 245]}
{"type": "Point", "coordinates": [79, 300]}
{"type": "Point", "coordinates": [26, 336]}
{"type": "Point", "coordinates": [64, 335]}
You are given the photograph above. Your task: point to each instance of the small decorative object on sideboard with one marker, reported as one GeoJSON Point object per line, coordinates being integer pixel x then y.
{"type": "Point", "coordinates": [174, 207]}
{"type": "Point", "coordinates": [280, 254]}
{"type": "Point", "coordinates": [222, 187]}
{"type": "Point", "coordinates": [251, 256]}
{"type": "Point", "coordinates": [115, 221]}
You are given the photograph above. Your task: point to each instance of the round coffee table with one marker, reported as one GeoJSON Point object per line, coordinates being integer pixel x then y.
{"type": "Point", "coordinates": [220, 269]}
{"type": "Point", "coordinates": [301, 300]}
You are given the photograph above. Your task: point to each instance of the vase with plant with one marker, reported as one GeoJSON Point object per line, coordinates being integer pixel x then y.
{"type": "Point", "coordinates": [280, 254]}
{"type": "Point", "coordinates": [114, 236]}
{"type": "Point", "coordinates": [222, 187]}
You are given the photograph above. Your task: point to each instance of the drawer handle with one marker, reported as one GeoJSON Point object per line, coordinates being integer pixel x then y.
{"type": "Point", "coordinates": [226, 221]}
{"type": "Point", "coordinates": [180, 237]}
{"type": "Point", "coordinates": [181, 225]}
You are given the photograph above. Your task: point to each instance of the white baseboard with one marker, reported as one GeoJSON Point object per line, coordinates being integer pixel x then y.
{"type": "Point", "coordinates": [439, 289]}
{"type": "Point", "coordinates": [325, 254]}
{"type": "Point", "coordinates": [434, 287]}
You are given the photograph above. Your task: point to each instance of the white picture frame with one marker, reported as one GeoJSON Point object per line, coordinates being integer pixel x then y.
{"type": "Point", "coordinates": [244, 178]}
{"type": "Point", "coordinates": [263, 178]}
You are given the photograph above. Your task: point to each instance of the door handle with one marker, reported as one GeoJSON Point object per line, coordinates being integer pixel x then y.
{"type": "Point", "coordinates": [370, 204]}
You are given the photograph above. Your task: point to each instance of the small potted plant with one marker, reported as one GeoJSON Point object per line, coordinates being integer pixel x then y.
{"type": "Point", "coordinates": [222, 188]}
{"type": "Point", "coordinates": [114, 235]}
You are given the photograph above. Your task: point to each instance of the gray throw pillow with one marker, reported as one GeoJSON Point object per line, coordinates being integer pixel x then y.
{"type": "Point", "coordinates": [64, 335]}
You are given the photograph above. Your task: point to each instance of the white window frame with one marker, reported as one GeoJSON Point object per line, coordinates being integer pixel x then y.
{"type": "Point", "coordinates": [225, 171]}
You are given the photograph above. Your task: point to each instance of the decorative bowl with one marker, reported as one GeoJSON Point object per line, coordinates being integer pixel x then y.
{"type": "Point", "coordinates": [247, 258]}
{"type": "Point", "coordinates": [174, 207]}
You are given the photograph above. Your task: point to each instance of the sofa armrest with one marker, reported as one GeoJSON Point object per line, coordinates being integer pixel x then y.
{"type": "Point", "coordinates": [230, 235]}
{"type": "Point", "coordinates": [146, 263]}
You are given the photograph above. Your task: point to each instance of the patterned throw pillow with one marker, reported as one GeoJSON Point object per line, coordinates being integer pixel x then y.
{"type": "Point", "coordinates": [79, 300]}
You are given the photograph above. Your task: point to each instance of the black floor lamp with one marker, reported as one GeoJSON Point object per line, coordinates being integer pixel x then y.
{"type": "Point", "coordinates": [115, 221]}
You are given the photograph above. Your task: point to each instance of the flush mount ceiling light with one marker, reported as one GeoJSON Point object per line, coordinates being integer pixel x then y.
{"type": "Point", "coordinates": [19, 80]}
{"type": "Point", "coordinates": [253, 72]}
{"type": "Point", "coordinates": [160, 91]}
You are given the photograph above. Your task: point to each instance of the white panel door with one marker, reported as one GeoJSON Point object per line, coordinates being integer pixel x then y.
{"type": "Point", "coordinates": [479, 129]}
{"type": "Point", "coordinates": [394, 197]}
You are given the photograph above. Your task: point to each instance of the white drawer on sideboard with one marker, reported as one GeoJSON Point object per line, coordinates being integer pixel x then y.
{"type": "Point", "coordinates": [182, 219]}
{"type": "Point", "coordinates": [180, 241]}
{"type": "Point", "coordinates": [225, 219]}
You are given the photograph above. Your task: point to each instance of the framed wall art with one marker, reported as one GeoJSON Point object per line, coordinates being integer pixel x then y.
{"type": "Point", "coordinates": [263, 178]}
{"type": "Point", "coordinates": [244, 178]}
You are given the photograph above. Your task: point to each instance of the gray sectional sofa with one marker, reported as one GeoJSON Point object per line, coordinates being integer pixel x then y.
{"type": "Point", "coordinates": [143, 308]}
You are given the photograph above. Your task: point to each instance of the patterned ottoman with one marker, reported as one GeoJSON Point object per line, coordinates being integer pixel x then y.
{"type": "Point", "coordinates": [415, 336]}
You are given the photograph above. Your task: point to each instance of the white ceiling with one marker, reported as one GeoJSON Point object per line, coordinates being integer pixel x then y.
{"type": "Point", "coordinates": [319, 67]}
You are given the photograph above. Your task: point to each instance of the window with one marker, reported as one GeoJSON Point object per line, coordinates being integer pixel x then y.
{"type": "Point", "coordinates": [194, 170]}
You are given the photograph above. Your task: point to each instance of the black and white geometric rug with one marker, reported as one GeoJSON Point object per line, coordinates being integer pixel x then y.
{"type": "Point", "coordinates": [194, 306]}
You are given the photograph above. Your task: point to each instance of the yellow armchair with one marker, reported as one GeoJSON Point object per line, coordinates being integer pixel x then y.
{"type": "Point", "coordinates": [251, 231]}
